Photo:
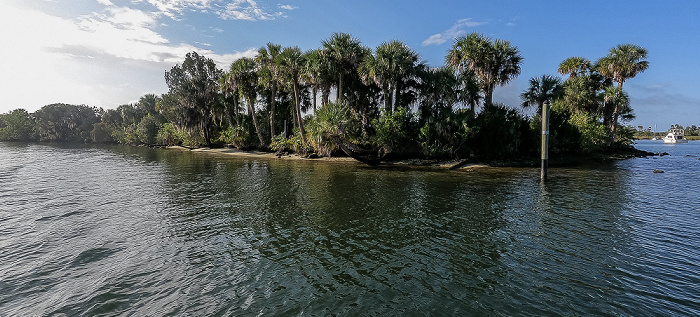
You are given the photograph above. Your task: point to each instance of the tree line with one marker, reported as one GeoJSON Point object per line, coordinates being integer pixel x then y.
{"type": "Point", "coordinates": [385, 99]}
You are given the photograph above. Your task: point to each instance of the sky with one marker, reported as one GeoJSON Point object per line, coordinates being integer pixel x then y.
{"type": "Point", "coordinates": [106, 53]}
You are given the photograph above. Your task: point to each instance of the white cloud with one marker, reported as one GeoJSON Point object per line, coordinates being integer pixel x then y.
{"type": "Point", "coordinates": [244, 10]}
{"type": "Point", "coordinates": [225, 9]}
{"type": "Point", "coordinates": [172, 8]}
{"type": "Point", "coordinates": [455, 31]}
{"type": "Point", "coordinates": [101, 59]}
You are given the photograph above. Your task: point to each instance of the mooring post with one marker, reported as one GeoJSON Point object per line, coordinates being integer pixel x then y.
{"type": "Point", "coordinates": [545, 139]}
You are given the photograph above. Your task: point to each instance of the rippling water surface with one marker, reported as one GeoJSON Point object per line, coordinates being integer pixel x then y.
{"type": "Point", "coordinates": [131, 231]}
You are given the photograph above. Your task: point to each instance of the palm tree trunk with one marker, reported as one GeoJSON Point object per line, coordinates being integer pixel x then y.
{"type": "Point", "coordinates": [616, 114]}
{"type": "Point", "coordinates": [236, 109]}
{"type": "Point", "coordinates": [229, 118]}
{"type": "Point", "coordinates": [325, 95]}
{"type": "Point", "coordinates": [387, 99]}
{"type": "Point", "coordinates": [298, 111]}
{"type": "Point", "coordinates": [488, 96]}
{"type": "Point", "coordinates": [272, 109]}
{"type": "Point", "coordinates": [339, 93]}
{"type": "Point", "coordinates": [397, 94]}
{"type": "Point", "coordinates": [251, 110]}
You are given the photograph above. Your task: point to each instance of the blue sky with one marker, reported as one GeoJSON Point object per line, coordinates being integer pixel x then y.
{"type": "Point", "coordinates": [106, 53]}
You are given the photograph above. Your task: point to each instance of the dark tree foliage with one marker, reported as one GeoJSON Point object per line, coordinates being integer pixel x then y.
{"type": "Point", "coordinates": [501, 132]}
{"type": "Point", "coordinates": [384, 100]}
{"type": "Point", "coordinates": [16, 125]}
{"type": "Point", "coordinates": [194, 88]}
{"type": "Point", "coordinates": [61, 122]}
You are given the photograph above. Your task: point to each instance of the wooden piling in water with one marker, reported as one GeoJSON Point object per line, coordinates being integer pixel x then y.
{"type": "Point", "coordinates": [545, 140]}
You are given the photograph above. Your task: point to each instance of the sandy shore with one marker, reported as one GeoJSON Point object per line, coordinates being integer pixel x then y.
{"type": "Point", "coordinates": [345, 160]}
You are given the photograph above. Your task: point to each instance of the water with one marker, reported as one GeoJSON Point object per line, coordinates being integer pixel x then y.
{"type": "Point", "coordinates": [120, 231]}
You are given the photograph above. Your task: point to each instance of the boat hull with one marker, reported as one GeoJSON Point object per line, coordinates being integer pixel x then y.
{"type": "Point", "coordinates": [676, 141]}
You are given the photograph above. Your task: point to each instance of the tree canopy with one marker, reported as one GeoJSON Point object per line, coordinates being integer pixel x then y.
{"type": "Point", "coordinates": [345, 96]}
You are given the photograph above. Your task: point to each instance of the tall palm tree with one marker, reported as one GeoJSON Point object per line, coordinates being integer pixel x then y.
{"type": "Point", "coordinates": [574, 66]}
{"type": "Point", "coordinates": [229, 90]}
{"type": "Point", "coordinates": [345, 54]}
{"type": "Point", "coordinates": [623, 62]}
{"type": "Point", "coordinates": [493, 62]}
{"type": "Point", "coordinates": [582, 93]}
{"type": "Point", "coordinates": [615, 100]}
{"type": "Point", "coordinates": [390, 67]}
{"type": "Point", "coordinates": [268, 57]}
{"type": "Point", "coordinates": [439, 87]}
{"type": "Point", "coordinates": [540, 90]}
{"type": "Point", "coordinates": [293, 65]}
{"type": "Point", "coordinates": [318, 75]}
{"type": "Point", "coordinates": [469, 90]}
{"type": "Point", "coordinates": [244, 78]}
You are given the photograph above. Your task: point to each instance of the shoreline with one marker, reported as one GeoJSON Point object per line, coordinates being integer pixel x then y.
{"type": "Point", "coordinates": [565, 160]}
{"type": "Point", "coordinates": [417, 163]}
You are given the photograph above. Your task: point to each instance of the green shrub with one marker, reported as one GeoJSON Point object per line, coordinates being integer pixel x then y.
{"type": "Point", "coordinates": [329, 124]}
{"type": "Point", "coordinates": [293, 144]}
{"type": "Point", "coordinates": [126, 135]}
{"type": "Point", "coordinates": [236, 136]}
{"type": "Point", "coordinates": [17, 125]}
{"type": "Point", "coordinates": [593, 134]}
{"type": "Point", "coordinates": [169, 135]}
{"type": "Point", "coordinates": [444, 134]}
{"type": "Point", "coordinates": [147, 130]}
{"type": "Point", "coordinates": [102, 133]}
{"type": "Point", "coordinates": [393, 129]}
{"type": "Point", "coordinates": [501, 132]}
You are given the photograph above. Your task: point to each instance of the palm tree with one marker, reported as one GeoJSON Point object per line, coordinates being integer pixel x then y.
{"type": "Point", "coordinates": [293, 65]}
{"type": "Point", "coordinates": [469, 90]}
{"type": "Point", "coordinates": [439, 88]}
{"type": "Point", "coordinates": [392, 65]}
{"type": "Point", "coordinates": [542, 89]}
{"type": "Point", "coordinates": [244, 78]}
{"type": "Point", "coordinates": [268, 57]}
{"type": "Point", "coordinates": [616, 99]}
{"type": "Point", "coordinates": [345, 53]}
{"type": "Point", "coordinates": [574, 66]}
{"type": "Point", "coordinates": [229, 89]}
{"type": "Point", "coordinates": [582, 93]}
{"type": "Point", "coordinates": [623, 62]}
{"type": "Point", "coordinates": [317, 74]}
{"type": "Point", "coordinates": [493, 62]}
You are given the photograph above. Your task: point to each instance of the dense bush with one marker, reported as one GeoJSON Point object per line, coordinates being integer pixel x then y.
{"type": "Point", "coordinates": [147, 130]}
{"type": "Point", "coordinates": [17, 125]}
{"type": "Point", "coordinates": [102, 133]}
{"type": "Point", "coordinates": [501, 131]}
{"type": "Point", "coordinates": [331, 124]}
{"type": "Point", "coordinates": [65, 123]}
{"type": "Point", "coordinates": [393, 131]}
{"type": "Point", "coordinates": [445, 134]}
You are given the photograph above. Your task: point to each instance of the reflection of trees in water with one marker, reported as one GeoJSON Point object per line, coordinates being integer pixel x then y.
{"type": "Point", "coordinates": [367, 234]}
{"type": "Point", "coordinates": [314, 234]}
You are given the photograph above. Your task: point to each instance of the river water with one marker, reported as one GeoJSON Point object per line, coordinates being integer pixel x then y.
{"type": "Point", "coordinates": [124, 231]}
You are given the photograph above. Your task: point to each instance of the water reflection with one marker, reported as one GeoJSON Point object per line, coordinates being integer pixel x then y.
{"type": "Point", "coordinates": [169, 233]}
{"type": "Point", "coordinates": [334, 232]}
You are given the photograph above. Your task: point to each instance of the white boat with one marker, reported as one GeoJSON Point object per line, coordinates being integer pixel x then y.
{"type": "Point", "coordinates": [675, 136]}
